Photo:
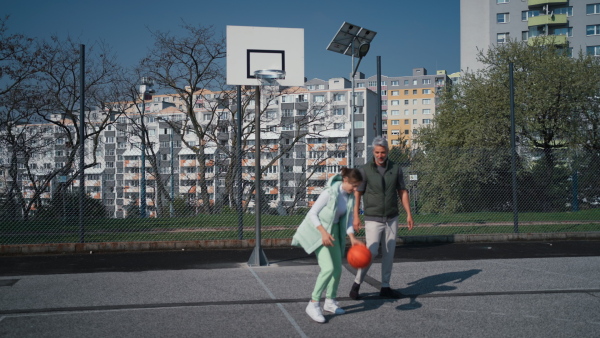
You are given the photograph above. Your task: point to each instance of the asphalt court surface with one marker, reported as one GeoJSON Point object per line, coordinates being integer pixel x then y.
{"type": "Point", "coordinates": [522, 289]}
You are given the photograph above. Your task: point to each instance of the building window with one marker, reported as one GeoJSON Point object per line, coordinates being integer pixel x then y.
{"type": "Point", "coordinates": [406, 112]}
{"type": "Point", "coordinates": [426, 81]}
{"type": "Point", "coordinates": [564, 10]}
{"type": "Point", "coordinates": [426, 91]}
{"type": "Point", "coordinates": [287, 112]}
{"type": "Point", "coordinates": [395, 122]}
{"type": "Point", "coordinates": [415, 82]}
{"type": "Point", "coordinates": [406, 121]}
{"type": "Point", "coordinates": [592, 9]}
{"type": "Point", "coordinates": [426, 101]}
{"type": "Point", "coordinates": [360, 85]}
{"type": "Point", "coordinates": [414, 92]}
{"type": "Point", "coordinates": [568, 31]}
{"type": "Point", "coordinates": [395, 112]}
{"type": "Point", "coordinates": [319, 98]}
{"type": "Point", "coordinates": [405, 102]}
{"type": "Point", "coordinates": [339, 97]}
{"type": "Point", "coordinates": [339, 126]}
{"type": "Point", "coordinates": [395, 132]}
{"type": "Point", "coordinates": [502, 37]}
{"type": "Point", "coordinates": [426, 111]}
{"type": "Point", "coordinates": [593, 50]}
{"type": "Point", "coordinates": [395, 83]}
{"type": "Point", "coordinates": [415, 111]}
{"type": "Point", "coordinates": [415, 101]}
{"type": "Point", "coordinates": [339, 111]}
{"type": "Point", "coordinates": [395, 102]}
{"type": "Point", "coordinates": [502, 18]}
{"type": "Point", "coordinates": [426, 121]}
{"type": "Point", "coordinates": [406, 82]}
{"type": "Point", "coordinates": [502, 1]}
{"type": "Point", "coordinates": [592, 30]}
{"type": "Point", "coordinates": [372, 83]}
{"type": "Point", "coordinates": [395, 93]}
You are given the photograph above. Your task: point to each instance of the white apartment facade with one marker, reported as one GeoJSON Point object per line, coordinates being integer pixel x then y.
{"type": "Point", "coordinates": [484, 23]}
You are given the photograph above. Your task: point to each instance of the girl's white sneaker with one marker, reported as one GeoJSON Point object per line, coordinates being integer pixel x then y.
{"type": "Point", "coordinates": [331, 305]}
{"type": "Point", "coordinates": [313, 309]}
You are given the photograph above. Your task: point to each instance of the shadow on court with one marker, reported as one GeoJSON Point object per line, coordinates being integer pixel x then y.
{"type": "Point", "coordinates": [431, 284]}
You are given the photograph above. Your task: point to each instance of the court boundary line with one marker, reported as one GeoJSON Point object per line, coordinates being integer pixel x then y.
{"type": "Point", "coordinates": [374, 297]}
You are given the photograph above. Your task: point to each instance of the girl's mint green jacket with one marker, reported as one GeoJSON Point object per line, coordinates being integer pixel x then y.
{"type": "Point", "coordinates": [308, 237]}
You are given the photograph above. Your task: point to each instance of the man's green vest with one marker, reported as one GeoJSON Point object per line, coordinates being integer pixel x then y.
{"type": "Point", "coordinates": [380, 198]}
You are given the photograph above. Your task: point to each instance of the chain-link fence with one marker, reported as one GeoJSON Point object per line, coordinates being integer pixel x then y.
{"type": "Point", "coordinates": [452, 191]}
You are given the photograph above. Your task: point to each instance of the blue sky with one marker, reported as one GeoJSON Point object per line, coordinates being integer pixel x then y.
{"type": "Point", "coordinates": [410, 34]}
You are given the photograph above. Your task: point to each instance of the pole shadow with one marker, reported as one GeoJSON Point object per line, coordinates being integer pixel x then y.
{"type": "Point", "coordinates": [430, 284]}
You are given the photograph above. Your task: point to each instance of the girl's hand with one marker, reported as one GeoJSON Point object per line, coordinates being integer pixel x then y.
{"type": "Point", "coordinates": [327, 239]}
{"type": "Point", "coordinates": [355, 241]}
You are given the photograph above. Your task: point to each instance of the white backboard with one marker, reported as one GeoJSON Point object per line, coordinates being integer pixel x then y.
{"type": "Point", "coordinates": [257, 48]}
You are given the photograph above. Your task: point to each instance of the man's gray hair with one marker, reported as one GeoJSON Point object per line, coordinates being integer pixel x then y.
{"type": "Point", "coordinates": [380, 141]}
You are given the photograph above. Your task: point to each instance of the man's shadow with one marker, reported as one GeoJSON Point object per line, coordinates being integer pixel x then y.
{"type": "Point", "coordinates": [436, 283]}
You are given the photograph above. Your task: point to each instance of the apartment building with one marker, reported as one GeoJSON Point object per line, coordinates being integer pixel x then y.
{"type": "Point", "coordinates": [484, 23]}
{"type": "Point", "coordinates": [408, 103]}
{"type": "Point", "coordinates": [299, 154]}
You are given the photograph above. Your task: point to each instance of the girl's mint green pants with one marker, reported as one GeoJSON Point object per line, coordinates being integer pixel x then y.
{"type": "Point", "coordinates": [330, 262]}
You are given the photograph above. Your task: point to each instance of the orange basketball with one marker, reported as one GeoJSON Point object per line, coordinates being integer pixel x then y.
{"type": "Point", "coordinates": [359, 256]}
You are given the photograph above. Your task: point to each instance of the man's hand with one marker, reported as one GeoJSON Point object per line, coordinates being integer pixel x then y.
{"type": "Point", "coordinates": [410, 222]}
{"type": "Point", "coordinates": [356, 224]}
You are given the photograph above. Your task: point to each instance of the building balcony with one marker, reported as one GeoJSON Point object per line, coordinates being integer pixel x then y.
{"type": "Point", "coordinates": [554, 19]}
{"type": "Point", "coordinates": [547, 40]}
{"type": "Point", "coordinates": [533, 3]}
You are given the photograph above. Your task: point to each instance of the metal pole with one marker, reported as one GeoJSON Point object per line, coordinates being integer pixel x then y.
{"type": "Point", "coordinates": [379, 116]}
{"type": "Point", "coordinates": [258, 257]}
{"type": "Point", "coordinates": [351, 157]}
{"type": "Point", "coordinates": [82, 141]}
{"type": "Point", "coordinates": [171, 207]}
{"type": "Point", "coordinates": [238, 202]}
{"type": "Point", "coordinates": [143, 159]}
{"type": "Point", "coordinates": [513, 147]}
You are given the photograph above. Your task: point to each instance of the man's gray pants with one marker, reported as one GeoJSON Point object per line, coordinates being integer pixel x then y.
{"type": "Point", "coordinates": [383, 233]}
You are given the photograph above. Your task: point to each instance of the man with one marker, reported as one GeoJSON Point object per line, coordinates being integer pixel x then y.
{"type": "Point", "coordinates": [381, 187]}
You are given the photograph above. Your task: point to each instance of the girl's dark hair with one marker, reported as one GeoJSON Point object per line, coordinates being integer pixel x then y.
{"type": "Point", "coordinates": [353, 175]}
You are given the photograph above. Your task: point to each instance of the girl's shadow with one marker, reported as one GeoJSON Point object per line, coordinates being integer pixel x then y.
{"type": "Point", "coordinates": [436, 283]}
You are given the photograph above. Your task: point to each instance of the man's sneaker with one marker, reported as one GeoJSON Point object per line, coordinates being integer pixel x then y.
{"type": "Point", "coordinates": [354, 291]}
{"type": "Point", "coordinates": [331, 305]}
{"type": "Point", "coordinates": [389, 293]}
{"type": "Point", "coordinates": [313, 309]}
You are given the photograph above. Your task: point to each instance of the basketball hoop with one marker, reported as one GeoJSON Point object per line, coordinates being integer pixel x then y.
{"type": "Point", "coordinates": [269, 76]}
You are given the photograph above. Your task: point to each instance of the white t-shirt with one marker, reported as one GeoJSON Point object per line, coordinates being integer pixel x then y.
{"type": "Point", "coordinates": [342, 202]}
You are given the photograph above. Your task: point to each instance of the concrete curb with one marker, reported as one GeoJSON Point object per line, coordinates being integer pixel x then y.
{"type": "Point", "coordinates": [65, 248]}
{"type": "Point", "coordinates": [518, 237]}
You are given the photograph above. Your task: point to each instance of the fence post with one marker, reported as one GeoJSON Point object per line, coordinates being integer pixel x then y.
{"type": "Point", "coordinates": [513, 152]}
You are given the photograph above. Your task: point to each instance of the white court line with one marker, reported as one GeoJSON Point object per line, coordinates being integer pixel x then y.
{"type": "Point", "coordinates": [279, 305]}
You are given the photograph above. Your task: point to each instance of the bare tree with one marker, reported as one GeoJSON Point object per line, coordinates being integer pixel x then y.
{"type": "Point", "coordinates": [186, 65]}
{"type": "Point", "coordinates": [43, 101]}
